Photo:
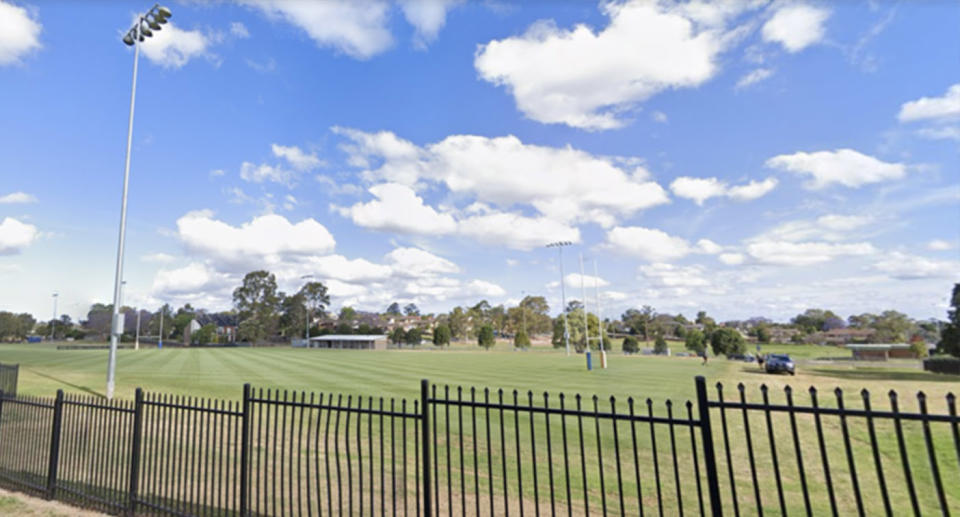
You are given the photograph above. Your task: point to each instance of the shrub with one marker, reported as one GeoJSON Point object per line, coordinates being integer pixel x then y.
{"type": "Point", "coordinates": [413, 336]}
{"type": "Point", "coordinates": [942, 364]}
{"type": "Point", "coordinates": [630, 345]}
{"type": "Point", "coordinates": [521, 339]}
{"type": "Point", "coordinates": [397, 336]}
{"type": "Point", "coordinates": [441, 335]}
{"type": "Point", "coordinates": [727, 341]}
{"type": "Point", "coordinates": [660, 346]}
{"type": "Point", "coordinates": [695, 341]}
{"type": "Point", "coordinates": [918, 346]}
{"type": "Point", "coordinates": [485, 336]}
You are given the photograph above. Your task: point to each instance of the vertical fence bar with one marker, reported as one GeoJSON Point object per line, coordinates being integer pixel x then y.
{"type": "Point", "coordinates": [54, 458]}
{"type": "Point", "coordinates": [425, 444]}
{"type": "Point", "coordinates": [245, 453]}
{"type": "Point", "coordinates": [135, 453]}
{"type": "Point", "coordinates": [709, 456]}
{"type": "Point", "coordinates": [928, 438]}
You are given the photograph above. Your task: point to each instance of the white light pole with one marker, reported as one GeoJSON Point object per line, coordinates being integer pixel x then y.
{"type": "Point", "coordinates": [53, 324]}
{"type": "Point", "coordinates": [563, 293]}
{"type": "Point", "coordinates": [583, 293]}
{"type": "Point", "coordinates": [160, 337]}
{"type": "Point", "coordinates": [596, 284]}
{"type": "Point", "coordinates": [142, 29]}
{"type": "Point", "coordinates": [136, 342]}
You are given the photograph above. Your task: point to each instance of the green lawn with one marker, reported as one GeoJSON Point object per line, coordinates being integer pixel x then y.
{"type": "Point", "coordinates": [220, 373]}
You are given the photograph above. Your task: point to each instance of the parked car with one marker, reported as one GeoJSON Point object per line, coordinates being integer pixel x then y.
{"type": "Point", "coordinates": [777, 363]}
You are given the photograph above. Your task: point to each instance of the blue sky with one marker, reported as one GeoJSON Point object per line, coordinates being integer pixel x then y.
{"type": "Point", "coordinates": [748, 159]}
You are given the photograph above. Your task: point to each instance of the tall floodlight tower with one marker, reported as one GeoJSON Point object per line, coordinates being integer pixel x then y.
{"type": "Point", "coordinates": [596, 285]}
{"type": "Point", "coordinates": [563, 293]}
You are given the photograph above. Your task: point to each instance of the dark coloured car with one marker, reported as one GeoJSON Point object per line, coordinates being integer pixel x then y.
{"type": "Point", "coordinates": [779, 363]}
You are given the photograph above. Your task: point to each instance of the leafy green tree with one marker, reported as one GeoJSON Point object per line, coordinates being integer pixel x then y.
{"type": "Point", "coordinates": [343, 328]}
{"type": "Point", "coordinates": [537, 313]}
{"type": "Point", "coordinates": [950, 335]}
{"type": "Point", "coordinates": [660, 345]}
{"type": "Point", "coordinates": [521, 339]}
{"type": "Point", "coordinates": [696, 341]}
{"type": "Point", "coordinates": [727, 341]}
{"type": "Point", "coordinates": [411, 310]}
{"type": "Point", "coordinates": [918, 346]}
{"type": "Point", "coordinates": [485, 336]}
{"type": "Point", "coordinates": [413, 336]}
{"type": "Point", "coordinates": [347, 314]}
{"type": "Point", "coordinates": [394, 309]}
{"type": "Point", "coordinates": [892, 327]}
{"type": "Point", "coordinates": [458, 323]}
{"type": "Point", "coordinates": [763, 334]}
{"type": "Point", "coordinates": [258, 305]}
{"type": "Point", "coordinates": [206, 335]}
{"type": "Point", "coordinates": [398, 335]}
{"type": "Point", "coordinates": [640, 321]}
{"type": "Point", "coordinates": [630, 345]}
{"type": "Point", "coordinates": [575, 322]}
{"type": "Point", "coordinates": [293, 315]}
{"type": "Point", "coordinates": [441, 335]}
{"type": "Point", "coordinates": [813, 320]}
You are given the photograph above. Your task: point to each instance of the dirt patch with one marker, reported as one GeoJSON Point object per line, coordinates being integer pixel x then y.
{"type": "Point", "coordinates": [17, 504]}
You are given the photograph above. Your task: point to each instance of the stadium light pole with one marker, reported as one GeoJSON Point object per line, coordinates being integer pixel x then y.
{"type": "Point", "coordinates": [53, 324]}
{"type": "Point", "coordinates": [563, 293]}
{"type": "Point", "coordinates": [143, 28]}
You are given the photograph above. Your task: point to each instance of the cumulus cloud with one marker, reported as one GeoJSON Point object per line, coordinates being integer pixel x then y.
{"type": "Point", "coordinates": [19, 33]}
{"type": "Point", "coordinates": [297, 162]}
{"type": "Point", "coordinates": [264, 240]}
{"type": "Point", "coordinates": [903, 266]}
{"type": "Point", "coordinates": [15, 236]}
{"type": "Point", "coordinates": [575, 280]}
{"type": "Point", "coordinates": [933, 108]}
{"type": "Point", "coordinates": [789, 253]}
{"type": "Point", "coordinates": [418, 262]}
{"type": "Point", "coordinates": [732, 259]}
{"type": "Point", "coordinates": [701, 189]}
{"type": "Point", "coordinates": [296, 157]}
{"type": "Point", "coordinates": [356, 28]}
{"type": "Point", "coordinates": [159, 258]}
{"type": "Point", "coordinates": [398, 209]}
{"type": "Point", "coordinates": [647, 243]}
{"type": "Point", "coordinates": [669, 275]}
{"type": "Point", "coordinates": [516, 231]}
{"type": "Point", "coordinates": [589, 78]}
{"type": "Point", "coordinates": [239, 30]}
{"type": "Point", "coordinates": [843, 166]}
{"type": "Point", "coordinates": [193, 278]}
{"type": "Point", "coordinates": [563, 184]}
{"type": "Point", "coordinates": [427, 17]}
{"type": "Point", "coordinates": [940, 245]}
{"type": "Point", "coordinates": [173, 47]}
{"type": "Point", "coordinates": [796, 26]}
{"type": "Point", "coordinates": [17, 197]}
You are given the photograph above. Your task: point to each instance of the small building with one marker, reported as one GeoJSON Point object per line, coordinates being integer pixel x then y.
{"type": "Point", "coordinates": [881, 352]}
{"type": "Point", "coordinates": [350, 341]}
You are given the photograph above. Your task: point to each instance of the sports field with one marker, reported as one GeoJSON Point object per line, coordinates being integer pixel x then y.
{"type": "Point", "coordinates": [220, 373]}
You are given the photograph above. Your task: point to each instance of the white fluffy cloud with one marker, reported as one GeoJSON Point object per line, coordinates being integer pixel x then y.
{"type": "Point", "coordinates": [296, 157]}
{"type": "Point", "coordinates": [297, 160]}
{"type": "Point", "coordinates": [843, 166]}
{"type": "Point", "coordinates": [940, 245]}
{"type": "Point", "coordinates": [669, 275]}
{"type": "Point", "coordinates": [903, 266]}
{"type": "Point", "coordinates": [562, 184]}
{"type": "Point", "coordinates": [796, 26]}
{"type": "Point", "coordinates": [575, 280]}
{"type": "Point", "coordinates": [399, 209]}
{"type": "Point", "coordinates": [789, 253]}
{"type": "Point", "coordinates": [358, 28]}
{"type": "Point", "coordinates": [193, 278]}
{"type": "Point", "coordinates": [19, 33]}
{"type": "Point", "coordinates": [173, 47]}
{"type": "Point", "coordinates": [427, 17]}
{"type": "Point", "coordinates": [647, 243]}
{"type": "Point", "coordinates": [265, 240]}
{"type": "Point", "coordinates": [516, 231]}
{"type": "Point", "coordinates": [701, 189]}
{"type": "Point", "coordinates": [158, 258]}
{"type": "Point", "coordinates": [933, 108]}
{"type": "Point", "coordinates": [588, 78]}
{"type": "Point", "coordinates": [418, 262]}
{"type": "Point", "coordinates": [15, 235]}
{"type": "Point", "coordinates": [17, 197]}
{"type": "Point", "coordinates": [732, 259]}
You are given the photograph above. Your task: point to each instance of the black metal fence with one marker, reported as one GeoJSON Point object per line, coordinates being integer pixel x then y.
{"type": "Point", "coordinates": [457, 451]}
{"type": "Point", "coordinates": [9, 373]}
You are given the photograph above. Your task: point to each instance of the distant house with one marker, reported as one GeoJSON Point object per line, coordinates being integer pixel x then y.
{"type": "Point", "coordinates": [881, 351]}
{"type": "Point", "coordinates": [845, 336]}
{"type": "Point", "coordinates": [226, 324]}
{"type": "Point", "coordinates": [350, 341]}
{"type": "Point", "coordinates": [782, 334]}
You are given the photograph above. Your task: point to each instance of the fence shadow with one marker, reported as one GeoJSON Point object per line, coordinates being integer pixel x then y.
{"type": "Point", "coordinates": [884, 375]}
{"type": "Point", "coordinates": [85, 389]}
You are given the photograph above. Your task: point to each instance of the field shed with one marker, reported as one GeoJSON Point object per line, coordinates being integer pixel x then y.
{"type": "Point", "coordinates": [881, 352]}
{"type": "Point", "coordinates": [350, 341]}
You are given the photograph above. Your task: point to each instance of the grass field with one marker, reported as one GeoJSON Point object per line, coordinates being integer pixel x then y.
{"type": "Point", "coordinates": [220, 373]}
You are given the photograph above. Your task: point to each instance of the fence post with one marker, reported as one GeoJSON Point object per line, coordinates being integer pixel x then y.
{"type": "Point", "coordinates": [135, 449]}
{"type": "Point", "coordinates": [709, 456]}
{"type": "Point", "coordinates": [245, 453]}
{"type": "Point", "coordinates": [425, 444]}
{"type": "Point", "coordinates": [54, 459]}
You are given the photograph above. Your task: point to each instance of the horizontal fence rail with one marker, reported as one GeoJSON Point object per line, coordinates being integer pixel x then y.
{"type": "Point", "coordinates": [469, 451]}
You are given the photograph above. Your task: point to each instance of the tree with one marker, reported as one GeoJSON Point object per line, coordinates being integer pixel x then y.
{"type": "Point", "coordinates": [441, 335]}
{"type": "Point", "coordinates": [206, 335]}
{"type": "Point", "coordinates": [458, 323]}
{"type": "Point", "coordinates": [892, 327]}
{"type": "Point", "coordinates": [485, 336]}
{"type": "Point", "coordinates": [703, 319]}
{"type": "Point", "coordinates": [257, 305]}
{"type": "Point", "coordinates": [918, 346]}
{"type": "Point", "coordinates": [537, 313]}
{"type": "Point", "coordinates": [347, 314]}
{"type": "Point", "coordinates": [950, 335]}
{"type": "Point", "coordinates": [695, 341]}
{"type": "Point", "coordinates": [660, 345]}
{"type": "Point", "coordinates": [575, 323]}
{"type": "Point", "coordinates": [763, 334]}
{"type": "Point", "coordinates": [640, 321]}
{"type": "Point", "coordinates": [521, 339]}
{"type": "Point", "coordinates": [727, 341]}
{"type": "Point", "coordinates": [398, 335]}
{"type": "Point", "coordinates": [393, 309]}
{"type": "Point", "coordinates": [343, 328]}
{"type": "Point", "coordinates": [813, 320]}
{"type": "Point", "coordinates": [411, 310]}
{"type": "Point", "coordinates": [293, 317]}
{"type": "Point", "coordinates": [413, 336]}
{"type": "Point", "coordinates": [630, 345]}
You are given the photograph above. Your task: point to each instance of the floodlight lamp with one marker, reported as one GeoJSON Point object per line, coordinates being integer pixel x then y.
{"type": "Point", "coordinates": [152, 22]}
{"type": "Point", "coordinates": [164, 13]}
{"type": "Point", "coordinates": [144, 30]}
{"type": "Point", "coordinates": [128, 39]}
